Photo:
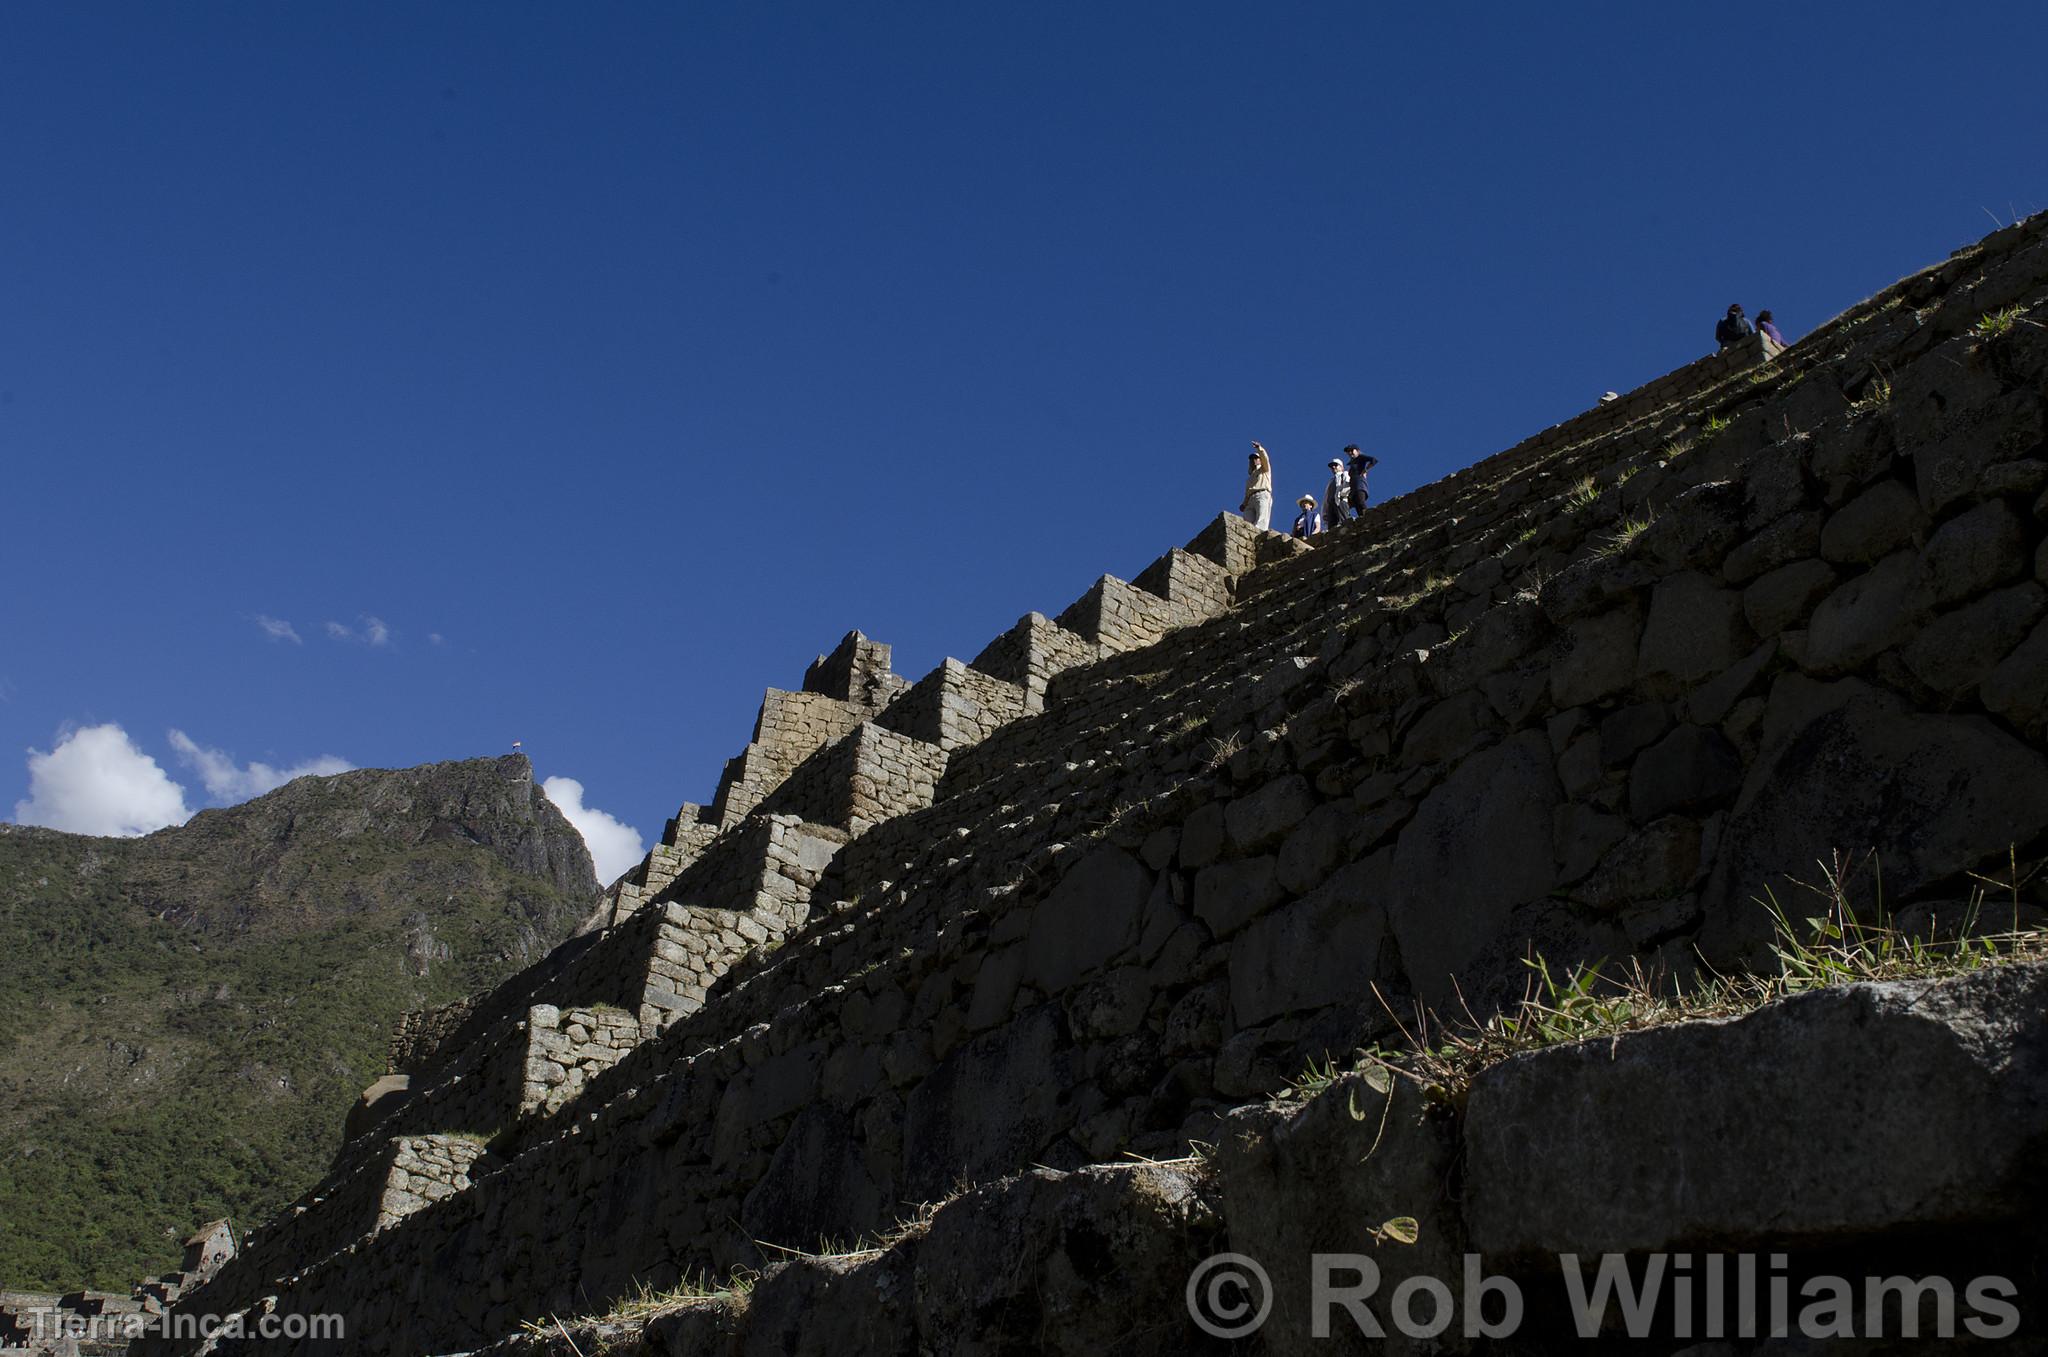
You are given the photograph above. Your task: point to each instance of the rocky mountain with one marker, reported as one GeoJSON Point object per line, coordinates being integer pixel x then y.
{"type": "Point", "coordinates": [186, 1017]}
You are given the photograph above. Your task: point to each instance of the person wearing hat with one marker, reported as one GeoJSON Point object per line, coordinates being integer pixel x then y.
{"type": "Point", "coordinates": [1258, 489]}
{"type": "Point", "coordinates": [1734, 327]}
{"type": "Point", "coordinates": [1336, 495]}
{"type": "Point", "coordinates": [1358, 464]}
{"type": "Point", "coordinates": [1308, 522]}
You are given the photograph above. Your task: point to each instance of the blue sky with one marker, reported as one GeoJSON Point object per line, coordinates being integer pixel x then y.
{"type": "Point", "coordinates": [570, 373]}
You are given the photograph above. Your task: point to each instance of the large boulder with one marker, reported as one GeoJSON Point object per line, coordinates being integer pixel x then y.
{"type": "Point", "coordinates": [1090, 916]}
{"type": "Point", "coordinates": [992, 1105]}
{"type": "Point", "coordinates": [1836, 1114]}
{"type": "Point", "coordinates": [1081, 1263]}
{"type": "Point", "coordinates": [1479, 845]}
{"type": "Point", "coordinates": [1320, 1178]}
{"type": "Point", "coordinates": [1845, 768]}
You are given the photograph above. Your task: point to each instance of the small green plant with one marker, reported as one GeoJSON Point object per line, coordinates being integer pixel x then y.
{"type": "Point", "coordinates": [1997, 324]}
{"type": "Point", "coordinates": [1679, 446]}
{"type": "Point", "coordinates": [1715, 427]}
{"type": "Point", "coordinates": [1627, 474]}
{"type": "Point", "coordinates": [1525, 536]}
{"type": "Point", "coordinates": [1431, 583]}
{"type": "Point", "coordinates": [1624, 536]}
{"type": "Point", "coordinates": [1318, 1076]}
{"type": "Point", "coordinates": [1583, 495]}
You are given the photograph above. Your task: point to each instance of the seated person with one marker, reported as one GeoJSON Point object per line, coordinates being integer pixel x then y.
{"type": "Point", "coordinates": [1734, 327]}
{"type": "Point", "coordinates": [1308, 522]}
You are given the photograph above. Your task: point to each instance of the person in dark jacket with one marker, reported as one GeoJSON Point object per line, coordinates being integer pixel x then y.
{"type": "Point", "coordinates": [1734, 327]}
{"type": "Point", "coordinates": [1359, 464]}
{"type": "Point", "coordinates": [1308, 522]}
{"type": "Point", "coordinates": [1769, 329]}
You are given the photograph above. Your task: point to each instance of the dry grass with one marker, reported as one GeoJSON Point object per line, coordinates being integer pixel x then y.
{"type": "Point", "coordinates": [1839, 945]}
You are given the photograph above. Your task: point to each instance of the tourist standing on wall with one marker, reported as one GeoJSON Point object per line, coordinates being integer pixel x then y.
{"type": "Point", "coordinates": [1308, 522]}
{"type": "Point", "coordinates": [1769, 329]}
{"type": "Point", "coordinates": [1734, 327]}
{"type": "Point", "coordinates": [1359, 464]}
{"type": "Point", "coordinates": [1258, 489]}
{"type": "Point", "coordinates": [1336, 495]}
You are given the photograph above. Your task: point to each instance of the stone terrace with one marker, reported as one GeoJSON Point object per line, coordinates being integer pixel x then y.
{"type": "Point", "coordinates": [1137, 865]}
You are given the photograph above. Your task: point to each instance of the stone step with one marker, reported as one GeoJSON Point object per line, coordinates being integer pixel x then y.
{"type": "Point", "coordinates": [855, 783]}
{"type": "Point", "coordinates": [1031, 653]}
{"type": "Point", "coordinates": [954, 706]}
{"type": "Point", "coordinates": [1118, 615]}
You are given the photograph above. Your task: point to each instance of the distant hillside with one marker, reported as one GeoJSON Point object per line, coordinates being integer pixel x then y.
{"type": "Point", "coordinates": [185, 1018]}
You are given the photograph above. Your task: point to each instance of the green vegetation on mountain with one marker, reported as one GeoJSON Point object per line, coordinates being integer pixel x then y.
{"type": "Point", "coordinates": [186, 1018]}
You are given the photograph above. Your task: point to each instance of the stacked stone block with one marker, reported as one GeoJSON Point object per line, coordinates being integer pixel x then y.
{"type": "Point", "coordinates": [1031, 653]}
{"type": "Point", "coordinates": [1118, 616]}
{"type": "Point", "coordinates": [1194, 587]}
{"type": "Point", "coordinates": [751, 889]}
{"type": "Point", "coordinates": [683, 840]}
{"type": "Point", "coordinates": [872, 775]}
{"type": "Point", "coordinates": [566, 1049]}
{"type": "Point", "coordinates": [425, 1169]}
{"type": "Point", "coordinates": [856, 672]}
{"type": "Point", "coordinates": [851, 685]}
{"type": "Point", "coordinates": [954, 705]}
{"type": "Point", "coordinates": [1235, 544]}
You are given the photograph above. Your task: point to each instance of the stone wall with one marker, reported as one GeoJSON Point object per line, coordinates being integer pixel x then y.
{"type": "Point", "coordinates": [1938, 1086]}
{"type": "Point", "coordinates": [422, 1033]}
{"type": "Point", "coordinates": [1586, 699]}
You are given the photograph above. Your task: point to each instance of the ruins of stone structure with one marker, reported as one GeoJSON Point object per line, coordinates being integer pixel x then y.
{"type": "Point", "coordinates": [91, 1323]}
{"type": "Point", "coordinates": [1105, 889]}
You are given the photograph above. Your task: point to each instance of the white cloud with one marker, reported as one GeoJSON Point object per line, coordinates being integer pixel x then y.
{"type": "Point", "coordinates": [97, 782]}
{"type": "Point", "coordinates": [614, 845]}
{"type": "Point", "coordinates": [277, 629]}
{"type": "Point", "coordinates": [228, 782]}
{"type": "Point", "coordinates": [375, 631]}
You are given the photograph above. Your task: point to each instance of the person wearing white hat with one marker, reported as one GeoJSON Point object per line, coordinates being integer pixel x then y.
{"type": "Point", "coordinates": [1308, 522]}
{"type": "Point", "coordinates": [1258, 490]}
{"type": "Point", "coordinates": [1336, 495]}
